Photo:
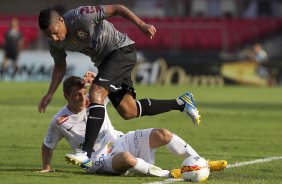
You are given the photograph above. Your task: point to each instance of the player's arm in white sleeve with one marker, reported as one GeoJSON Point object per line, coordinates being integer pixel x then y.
{"type": "Point", "coordinates": [117, 9]}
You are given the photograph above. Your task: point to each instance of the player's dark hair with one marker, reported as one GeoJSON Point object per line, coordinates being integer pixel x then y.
{"type": "Point", "coordinates": [44, 18]}
{"type": "Point", "coordinates": [45, 15]}
{"type": "Point", "coordinates": [72, 81]}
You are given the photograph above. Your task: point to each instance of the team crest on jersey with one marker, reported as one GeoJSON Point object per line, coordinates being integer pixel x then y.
{"type": "Point", "coordinates": [81, 34]}
{"type": "Point", "coordinates": [62, 119]}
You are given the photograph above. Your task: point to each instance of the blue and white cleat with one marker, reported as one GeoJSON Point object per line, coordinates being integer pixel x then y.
{"type": "Point", "coordinates": [190, 107]}
{"type": "Point", "coordinates": [79, 158]}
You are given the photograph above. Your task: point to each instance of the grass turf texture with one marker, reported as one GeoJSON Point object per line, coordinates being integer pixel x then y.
{"type": "Point", "coordinates": [238, 124]}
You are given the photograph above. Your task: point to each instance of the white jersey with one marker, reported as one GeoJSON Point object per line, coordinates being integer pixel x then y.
{"type": "Point", "coordinates": [66, 124]}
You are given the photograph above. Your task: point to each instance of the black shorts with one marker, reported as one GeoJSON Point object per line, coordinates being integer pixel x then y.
{"type": "Point", "coordinates": [114, 74]}
{"type": "Point", "coordinates": [11, 54]}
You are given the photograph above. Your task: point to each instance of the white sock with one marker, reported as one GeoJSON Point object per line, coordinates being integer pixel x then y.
{"type": "Point", "coordinates": [156, 171]}
{"type": "Point", "coordinates": [141, 166]}
{"type": "Point", "coordinates": [179, 147]}
{"type": "Point", "coordinates": [146, 168]}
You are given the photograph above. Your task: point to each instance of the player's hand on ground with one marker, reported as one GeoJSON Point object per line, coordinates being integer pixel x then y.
{"type": "Point", "coordinates": [89, 77]}
{"type": "Point", "coordinates": [44, 103]}
{"type": "Point", "coordinates": [46, 171]}
{"type": "Point", "coordinates": [149, 30]}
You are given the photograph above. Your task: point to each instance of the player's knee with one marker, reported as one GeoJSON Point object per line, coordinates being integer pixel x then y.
{"type": "Point", "coordinates": [128, 109]}
{"type": "Point", "coordinates": [96, 98]}
{"type": "Point", "coordinates": [97, 94]}
{"type": "Point", "coordinates": [128, 115]}
{"type": "Point", "coordinates": [129, 159]}
{"type": "Point", "coordinates": [164, 135]}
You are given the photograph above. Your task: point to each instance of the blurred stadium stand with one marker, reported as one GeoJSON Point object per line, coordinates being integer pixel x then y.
{"type": "Point", "coordinates": [188, 31]}
{"type": "Point", "coordinates": [201, 33]}
{"type": "Point", "coordinates": [28, 27]}
{"type": "Point", "coordinates": [181, 24]}
{"type": "Point", "coordinates": [176, 32]}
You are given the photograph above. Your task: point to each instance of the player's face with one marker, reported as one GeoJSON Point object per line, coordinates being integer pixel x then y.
{"type": "Point", "coordinates": [77, 99]}
{"type": "Point", "coordinates": [57, 30]}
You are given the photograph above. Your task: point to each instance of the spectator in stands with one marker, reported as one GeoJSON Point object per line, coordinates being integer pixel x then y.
{"type": "Point", "coordinates": [259, 55]}
{"type": "Point", "coordinates": [12, 47]}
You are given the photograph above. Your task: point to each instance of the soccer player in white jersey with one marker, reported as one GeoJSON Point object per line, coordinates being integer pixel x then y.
{"type": "Point", "coordinates": [113, 152]}
{"type": "Point", "coordinates": [70, 123]}
{"type": "Point", "coordinates": [86, 30]}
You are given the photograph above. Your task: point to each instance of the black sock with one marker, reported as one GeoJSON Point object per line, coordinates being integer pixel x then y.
{"type": "Point", "coordinates": [94, 123]}
{"type": "Point", "coordinates": [152, 107]}
{"type": "Point", "coordinates": [2, 73]}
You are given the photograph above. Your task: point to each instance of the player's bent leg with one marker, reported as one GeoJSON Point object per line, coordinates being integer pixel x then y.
{"type": "Point", "coordinates": [151, 107]}
{"type": "Point", "coordinates": [96, 116]}
{"type": "Point", "coordinates": [97, 94]}
{"type": "Point", "coordinates": [190, 107]}
{"type": "Point", "coordinates": [159, 137]}
{"type": "Point", "coordinates": [123, 161]}
{"type": "Point", "coordinates": [180, 147]}
{"type": "Point", "coordinates": [173, 143]}
{"type": "Point", "coordinates": [127, 108]}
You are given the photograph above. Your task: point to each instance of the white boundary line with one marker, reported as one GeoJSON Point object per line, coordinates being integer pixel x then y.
{"type": "Point", "coordinates": [262, 160]}
{"type": "Point", "coordinates": [253, 162]}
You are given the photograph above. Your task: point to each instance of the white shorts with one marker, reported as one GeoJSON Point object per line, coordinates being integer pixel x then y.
{"type": "Point", "coordinates": [135, 142]}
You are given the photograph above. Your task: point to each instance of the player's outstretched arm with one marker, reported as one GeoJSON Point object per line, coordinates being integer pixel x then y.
{"type": "Point", "coordinates": [114, 10]}
{"type": "Point", "coordinates": [46, 154]}
{"type": "Point", "coordinates": [57, 77]}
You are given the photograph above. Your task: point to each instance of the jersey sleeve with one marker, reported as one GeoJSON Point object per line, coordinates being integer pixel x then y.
{"type": "Point", "coordinates": [91, 15]}
{"type": "Point", "coordinates": [56, 53]}
{"type": "Point", "coordinates": [53, 136]}
{"type": "Point", "coordinates": [106, 101]}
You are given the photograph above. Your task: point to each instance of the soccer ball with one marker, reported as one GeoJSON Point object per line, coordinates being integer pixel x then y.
{"type": "Point", "coordinates": [195, 169]}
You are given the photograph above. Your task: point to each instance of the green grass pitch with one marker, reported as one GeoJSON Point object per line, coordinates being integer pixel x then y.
{"type": "Point", "coordinates": [238, 124]}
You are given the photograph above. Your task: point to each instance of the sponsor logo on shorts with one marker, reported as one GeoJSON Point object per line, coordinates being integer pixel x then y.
{"type": "Point", "coordinates": [100, 160]}
{"type": "Point", "coordinates": [114, 87]}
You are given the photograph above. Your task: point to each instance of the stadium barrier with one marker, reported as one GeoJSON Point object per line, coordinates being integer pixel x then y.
{"type": "Point", "coordinates": [38, 66]}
